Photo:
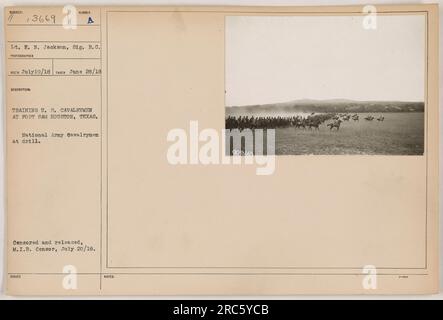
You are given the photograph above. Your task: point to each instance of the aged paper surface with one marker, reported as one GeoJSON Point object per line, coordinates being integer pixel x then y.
{"type": "Point", "coordinates": [102, 199]}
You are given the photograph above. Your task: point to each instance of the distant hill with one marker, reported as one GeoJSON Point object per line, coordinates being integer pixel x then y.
{"type": "Point", "coordinates": [332, 106]}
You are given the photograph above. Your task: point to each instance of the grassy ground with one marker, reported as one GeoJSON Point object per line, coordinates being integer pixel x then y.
{"type": "Point", "coordinates": [398, 134]}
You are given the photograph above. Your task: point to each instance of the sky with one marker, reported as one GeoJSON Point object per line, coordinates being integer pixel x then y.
{"type": "Point", "coordinates": [272, 59]}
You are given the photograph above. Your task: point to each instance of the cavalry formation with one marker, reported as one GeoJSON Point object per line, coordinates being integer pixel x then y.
{"type": "Point", "coordinates": [313, 121]}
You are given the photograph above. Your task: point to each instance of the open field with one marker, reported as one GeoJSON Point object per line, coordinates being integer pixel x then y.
{"type": "Point", "coordinates": [401, 133]}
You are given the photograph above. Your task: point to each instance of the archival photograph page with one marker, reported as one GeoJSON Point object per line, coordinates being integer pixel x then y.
{"type": "Point", "coordinates": [222, 150]}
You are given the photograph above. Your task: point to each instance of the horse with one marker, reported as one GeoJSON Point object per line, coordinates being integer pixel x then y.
{"type": "Point", "coordinates": [315, 125]}
{"type": "Point", "coordinates": [300, 125]}
{"type": "Point", "coordinates": [335, 124]}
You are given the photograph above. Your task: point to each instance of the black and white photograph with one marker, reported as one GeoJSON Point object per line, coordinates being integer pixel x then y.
{"type": "Point", "coordinates": [327, 85]}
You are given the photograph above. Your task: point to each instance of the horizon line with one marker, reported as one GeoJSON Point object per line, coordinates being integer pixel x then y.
{"type": "Point", "coordinates": [323, 100]}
